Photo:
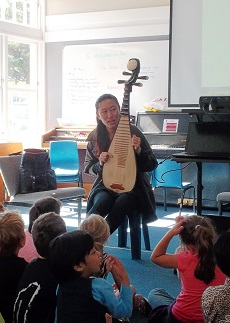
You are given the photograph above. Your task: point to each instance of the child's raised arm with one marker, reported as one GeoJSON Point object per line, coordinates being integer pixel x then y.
{"type": "Point", "coordinates": [159, 255]}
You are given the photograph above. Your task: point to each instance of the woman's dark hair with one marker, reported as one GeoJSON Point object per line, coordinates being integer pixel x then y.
{"type": "Point", "coordinates": [101, 135]}
{"type": "Point", "coordinates": [199, 232]}
{"type": "Point", "coordinates": [68, 250]}
{"type": "Point", "coordinates": [222, 252]}
{"type": "Point", "coordinates": [106, 96]}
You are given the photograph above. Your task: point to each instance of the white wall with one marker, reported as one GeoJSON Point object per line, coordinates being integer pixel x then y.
{"type": "Point", "coordinates": [108, 25]}
{"type": "Point", "coordinates": [60, 7]}
{"type": "Point", "coordinates": [143, 24]}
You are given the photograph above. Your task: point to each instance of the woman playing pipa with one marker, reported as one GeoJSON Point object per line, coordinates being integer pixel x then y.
{"type": "Point", "coordinates": [119, 196]}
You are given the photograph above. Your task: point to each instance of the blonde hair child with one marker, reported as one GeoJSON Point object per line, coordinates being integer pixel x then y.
{"type": "Point", "coordinates": [99, 229]}
{"type": "Point", "coordinates": [97, 226]}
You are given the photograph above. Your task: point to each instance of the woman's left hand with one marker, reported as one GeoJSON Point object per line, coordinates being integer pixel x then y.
{"type": "Point", "coordinates": [136, 142]}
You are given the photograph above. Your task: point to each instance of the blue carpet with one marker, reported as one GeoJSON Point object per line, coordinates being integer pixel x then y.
{"type": "Point", "coordinates": [145, 275]}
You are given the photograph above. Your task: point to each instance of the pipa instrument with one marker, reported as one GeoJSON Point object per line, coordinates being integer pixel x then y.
{"type": "Point", "coordinates": [119, 172]}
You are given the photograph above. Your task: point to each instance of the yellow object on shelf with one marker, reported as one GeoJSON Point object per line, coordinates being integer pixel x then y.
{"type": "Point", "coordinates": [156, 105]}
{"type": "Point", "coordinates": [152, 109]}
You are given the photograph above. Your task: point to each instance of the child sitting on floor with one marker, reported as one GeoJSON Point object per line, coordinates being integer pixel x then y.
{"type": "Point", "coordinates": [197, 271]}
{"type": "Point", "coordinates": [215, 299]}
{"type": "Point", "coordinates": [12, 238]}
{"type": "Point", "coordinates": [41, 206]}
{"type": "Point", "coordinates": [81, 297]}
{"type": "Point", "coordinates": [98, 227]}
{"type": "Point", "coordinates": [36, 294]}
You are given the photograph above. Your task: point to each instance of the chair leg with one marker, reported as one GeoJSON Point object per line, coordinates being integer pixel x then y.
{"type": "Point", "coordinates": [80, 181]}
{"type": "Point", "coordinates": [194, 201]}
{"type": "Point", "coordinates": [146, 236]}
{"type": "Point", "coordinates": [79, 199]}
{"type": "Point", "coordinates": [182, 199]}
{"type": "Point", "coordinates": [220, 208]}
{"type": "Point", "coordinates": [135, 235]}
{"type": "Point", "coordinates": [181, 205]}
{"type": "Point", "coordinates": [165, 202]}
{"type": "Point", "coordinates": [122, 234]}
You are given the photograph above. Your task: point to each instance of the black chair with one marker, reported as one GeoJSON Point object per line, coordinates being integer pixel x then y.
{"type": "Point", "coordinates": [134, 223]}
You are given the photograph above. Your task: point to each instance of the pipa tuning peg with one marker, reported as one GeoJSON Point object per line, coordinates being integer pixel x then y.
{"type": "Point", "coordinates": [121, 81]}
{"type": "Point", "coordinates": [143, 77]}
{"type": "Point", "coordinates": [138, 84]}
{"type": "Point", "coordinates": [126, 73]}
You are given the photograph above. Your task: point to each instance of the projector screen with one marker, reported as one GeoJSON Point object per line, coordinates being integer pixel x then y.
{"type": "Point", "coordinates": [199, 51]}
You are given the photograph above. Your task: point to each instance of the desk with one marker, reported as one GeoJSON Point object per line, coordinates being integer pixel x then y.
{"type": "Point", "coordinates": [199, 161]}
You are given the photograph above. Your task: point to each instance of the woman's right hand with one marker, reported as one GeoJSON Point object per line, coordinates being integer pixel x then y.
{"type": "Point", "coordinates": [104, 156]}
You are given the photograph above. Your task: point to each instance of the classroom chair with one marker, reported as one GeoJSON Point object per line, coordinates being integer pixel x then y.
{"type": "Point", "coordinates": [134, 224]}
{"type": "Point", "coordinates": [64, 159]}
{"type": "Point", "coordinates": [10, 171]}
{"type": "Point", "coordinates": [223, 201]}
{"type": "Point", "coordinates": [168, 175]}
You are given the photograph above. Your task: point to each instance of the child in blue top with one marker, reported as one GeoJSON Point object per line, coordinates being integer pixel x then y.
{"type": "Point", "coordinates": [81, 297]}
{"type": "Point", "coordinates": [98, 227]}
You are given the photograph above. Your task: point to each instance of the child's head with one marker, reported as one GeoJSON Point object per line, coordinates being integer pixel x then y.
{"type": "Point", "coordinates": [198, 234]}
{"type": "Point", "coordinates": [197, 230]}
{"type": "Point", "coordinates": [222, 252]}
{"type": "Point", "coordinates": [69, 255]}
{"type": "Point", "coordinates": [47, 227]}
{"type": "Point", "coordinates": [12, 234]}
{"type": "Point", "coordinates": [41, 206]}
{"type": "Point", "coordinates": [97, 226]}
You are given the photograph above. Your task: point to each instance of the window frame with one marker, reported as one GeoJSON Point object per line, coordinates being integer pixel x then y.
{"type": "Point", "coordinates": [35, 14]}
{"type": "Point", "coordinates": [35, 37]}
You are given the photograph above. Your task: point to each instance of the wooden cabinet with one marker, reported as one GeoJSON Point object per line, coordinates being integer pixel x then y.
{"type": "Point", "coordinates": [5, 150]}
{"type": "Point", "coordinates": [79, 134]}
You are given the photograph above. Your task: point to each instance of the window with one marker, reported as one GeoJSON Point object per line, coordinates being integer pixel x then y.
{"type": "Point", "coordinates": [25, 12]}
{"type": "Point", "coordinates": [21, 73]}
{"type": "Point", "coordinates": [22, 90]}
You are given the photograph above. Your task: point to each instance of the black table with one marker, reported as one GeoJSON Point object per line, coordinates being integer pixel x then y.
{"type": "Point", "coordinates": [196, 159]}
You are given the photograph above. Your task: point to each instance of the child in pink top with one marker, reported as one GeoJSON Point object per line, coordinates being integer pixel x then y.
{"type": "Point", "coordinates": [41, 206]}
{"type": "Point", "coordinates": [197, 269]}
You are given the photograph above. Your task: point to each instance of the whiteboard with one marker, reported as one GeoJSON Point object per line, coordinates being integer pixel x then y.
{"type": "Point", "coordinates": [92, 70]}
